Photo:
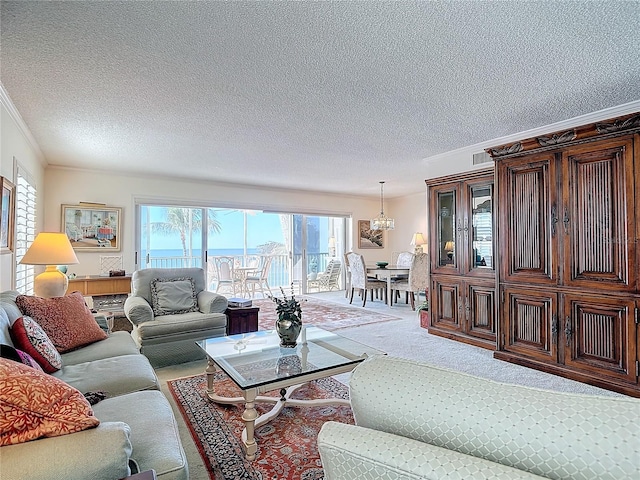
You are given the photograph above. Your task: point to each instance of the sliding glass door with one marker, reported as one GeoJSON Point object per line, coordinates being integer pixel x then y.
{"type": "Point", "coordinates": [298, 247]}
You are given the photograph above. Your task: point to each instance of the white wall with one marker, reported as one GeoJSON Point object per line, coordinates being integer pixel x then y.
{"type": "Point", "coordinates": [410, 215]}
{"type": "Point", "coordinates": [17, 145]}
{"type": "Point", "coordinates": [70, 186]}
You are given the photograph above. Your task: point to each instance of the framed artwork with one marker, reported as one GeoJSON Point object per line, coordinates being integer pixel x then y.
{"type": "Point", "coordinates": [92, 227]}
{"type": "Point", "coordinates": [368, 238]}
{"type": "Point", "coordinates": [8, 209]}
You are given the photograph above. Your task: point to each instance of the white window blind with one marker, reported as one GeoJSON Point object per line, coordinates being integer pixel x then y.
{"type": "Point", "coordinates": [25, 230]}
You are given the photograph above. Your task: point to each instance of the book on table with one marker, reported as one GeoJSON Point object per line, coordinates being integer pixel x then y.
{"type": "Point", "coordinates": [239, 302]}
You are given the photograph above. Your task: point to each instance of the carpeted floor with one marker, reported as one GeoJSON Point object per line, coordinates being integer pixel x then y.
{"type": "Point", "coordinates": [322, 313]}
{"type": "Point", "coordinates": [287, 448]}
{"type": "Point", "coordinates": [402, 337]}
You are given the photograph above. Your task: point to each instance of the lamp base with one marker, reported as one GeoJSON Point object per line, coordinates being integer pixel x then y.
{"type": "Point", "coordinates": [51, 283]}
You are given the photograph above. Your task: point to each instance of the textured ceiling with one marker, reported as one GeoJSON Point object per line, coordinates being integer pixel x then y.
{"type": "Point", "coordinates": [329, 96]}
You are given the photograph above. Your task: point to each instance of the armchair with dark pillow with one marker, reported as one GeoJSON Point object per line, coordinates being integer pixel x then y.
{"type": "Point", "coordinates": [170, 310]}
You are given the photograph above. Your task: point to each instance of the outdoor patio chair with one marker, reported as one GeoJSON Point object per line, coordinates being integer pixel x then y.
{"type": "Point", "coordinates": [329, 279]}
{"type": "Point", "coordinates": [226, 276]}
{"type": "Point", "coordinates": [261, 281]}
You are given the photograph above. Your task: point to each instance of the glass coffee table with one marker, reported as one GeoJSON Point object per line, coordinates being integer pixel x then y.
{"type": "Point", "coordinates": [257, 364]}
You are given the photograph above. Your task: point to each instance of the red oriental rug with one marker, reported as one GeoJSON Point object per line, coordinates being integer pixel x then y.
{"type": "Point", "coordinates": [287, 447]}
{"type": "Point", "coordinates": [327, 315]}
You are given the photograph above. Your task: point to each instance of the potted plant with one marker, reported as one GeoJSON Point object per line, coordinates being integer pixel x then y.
{"type": "Point", "coordinates": [289, 321]}
{"type": "Point", "coordinates": [423, 312]}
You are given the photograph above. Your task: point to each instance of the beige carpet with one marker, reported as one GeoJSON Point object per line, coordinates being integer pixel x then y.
{"type": "Point", "coordinates": [402, 338]}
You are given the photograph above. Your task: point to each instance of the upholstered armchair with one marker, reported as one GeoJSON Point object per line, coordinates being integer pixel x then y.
{"type": "Point", "coordinates": [170, 310]}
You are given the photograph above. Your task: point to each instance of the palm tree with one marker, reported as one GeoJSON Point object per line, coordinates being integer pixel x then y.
{"type": "Point", "coordinates": [185, 222]}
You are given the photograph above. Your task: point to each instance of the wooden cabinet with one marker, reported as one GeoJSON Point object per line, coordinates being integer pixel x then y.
{"type": "Point", "coordinates": [95, 285]}
{"type": "Point", "coordinates": [462, 291]}
{"type": "Point", "coordinates": [242, 319]}
{"type": "Point", "coordinates": [568, 211]}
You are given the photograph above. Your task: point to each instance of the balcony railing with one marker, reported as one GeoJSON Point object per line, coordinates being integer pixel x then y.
{"type": "Point", "coordinates": [279, 272]}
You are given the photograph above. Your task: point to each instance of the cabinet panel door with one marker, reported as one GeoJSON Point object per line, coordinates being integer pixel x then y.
{"type": "Point", "coordinates": [480, 311]}
{"type": "Point", "coordinates": [599, 216]}
{"type": "Point", "coordinates": [478, 231]}
{"type": "Point", "coordinates": [445, 307]}
{"type": "Point", "coordinates": [529, 219]}
{"type": "Point", "coordinates": [596, 335]}
{"type": "Point", "coordinates": [530, 323]}
{"type": "Point", "coordinates": [446, 222]}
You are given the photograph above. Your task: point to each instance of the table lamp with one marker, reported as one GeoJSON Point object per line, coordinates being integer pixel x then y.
{"type": "Point", "coordinates": [417, 241]}
{"type": "Point", "coordinates": [449, 247]}
{"type": "Point", "coordinates": [50, 249]}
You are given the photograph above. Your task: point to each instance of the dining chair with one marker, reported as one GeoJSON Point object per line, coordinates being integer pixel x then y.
{"type": "Point", "coordinates": [418, 280]}
{"type": "Point", "coordinates": [261, 281]}
{"type": "Point", "coordinates": [361, 281]}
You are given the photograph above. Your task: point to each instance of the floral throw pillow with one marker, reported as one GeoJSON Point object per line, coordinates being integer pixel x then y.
{"type": "Point", "coordinates": [172, 296]}
{"type": "Point", "coordinates": [34, 404]}
{"type": "Point", "coordinates": [66, 320]}
{"type": "Point", "coordinates": [28, 336]}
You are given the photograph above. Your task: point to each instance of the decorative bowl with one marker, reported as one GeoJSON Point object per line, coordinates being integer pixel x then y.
{"type": "Point", "coordinates": [382, 264]}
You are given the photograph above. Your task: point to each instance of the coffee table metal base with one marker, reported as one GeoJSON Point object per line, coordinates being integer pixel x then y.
{"type": "Point", "coordinates": [252, 396]}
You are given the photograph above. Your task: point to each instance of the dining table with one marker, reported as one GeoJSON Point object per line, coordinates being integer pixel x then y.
{"type": "Point", "coordinates": [388, 273]}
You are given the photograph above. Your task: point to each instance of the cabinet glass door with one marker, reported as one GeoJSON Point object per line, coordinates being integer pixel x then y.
{"type": "Point", "coordinates": [446, 230]}
{"type": "Point", "coordinates": [482, 225]}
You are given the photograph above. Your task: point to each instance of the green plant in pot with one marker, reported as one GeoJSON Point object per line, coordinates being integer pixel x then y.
{"type": "Point", "coordinates": [423, 313]}
{"type": "Point", "coordinates": [289, 321]}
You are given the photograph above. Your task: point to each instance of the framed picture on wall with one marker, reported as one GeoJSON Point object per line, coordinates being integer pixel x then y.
{"type": "Point", "coordinates": [8, 209]}
{"type": "Point", "coordinates": [92, 227]}
{"type": "Point", "coordinates": [368, 238]}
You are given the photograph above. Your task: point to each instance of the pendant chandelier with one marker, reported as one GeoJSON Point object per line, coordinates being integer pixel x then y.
{"type": "Point", "coordinates": [381, 222]}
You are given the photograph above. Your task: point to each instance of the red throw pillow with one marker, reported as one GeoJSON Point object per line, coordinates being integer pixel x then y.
{"type": "Point", "coordinates": [28, 336]}
{"type": "Point", "coordinates": [34, 404]}
{"type": "Point", "coordinates": [66, 320]}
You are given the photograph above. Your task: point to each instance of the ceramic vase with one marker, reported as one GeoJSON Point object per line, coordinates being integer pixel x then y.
{"type": "Point", "coordinates": [288, 327]}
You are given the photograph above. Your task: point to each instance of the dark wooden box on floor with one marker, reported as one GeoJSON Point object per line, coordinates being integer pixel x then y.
{"type": "Point", "coordinates": [242, 319]}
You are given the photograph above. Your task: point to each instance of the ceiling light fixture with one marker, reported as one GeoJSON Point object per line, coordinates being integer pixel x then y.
{"type": "Point", "coordinates": [381, 222]}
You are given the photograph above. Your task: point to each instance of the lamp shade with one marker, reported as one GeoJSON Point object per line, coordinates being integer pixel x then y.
{"type": "Point", "coordinates": [449, 246]}
{"type": "Point", "coordinates": [417, 241]}
{"type": "Point", "coordinates": [50, 249]}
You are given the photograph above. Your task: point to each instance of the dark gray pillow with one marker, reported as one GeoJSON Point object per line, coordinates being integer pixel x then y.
{"type": "Point", "coordinates": [172, 296]}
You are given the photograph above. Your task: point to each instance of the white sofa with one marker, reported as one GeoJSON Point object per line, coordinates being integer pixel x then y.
{"type": "Point", "coordinates": [416, 421]}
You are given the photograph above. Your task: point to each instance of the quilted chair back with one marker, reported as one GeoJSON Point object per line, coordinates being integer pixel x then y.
{"type": "Point", "coordinates": [358, 270]}
{"type": "Point", "coordinates": [419, 273]}
{"type": "Point", "coordinates": [141, 279]}
{"type": "Point", "coordinates": [404, 259]}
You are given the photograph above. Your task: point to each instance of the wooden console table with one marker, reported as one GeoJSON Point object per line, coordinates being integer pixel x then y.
{"type": "Point", "coordinates": [95, 285]}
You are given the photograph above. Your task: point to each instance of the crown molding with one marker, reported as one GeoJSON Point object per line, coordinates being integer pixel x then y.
{"type": "Point", "coordinates": [593, 117]}
{"type": "Point", "coordinates": [6, 101]}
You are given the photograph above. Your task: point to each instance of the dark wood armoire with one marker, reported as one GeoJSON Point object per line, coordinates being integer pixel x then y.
{"type": "Point", "coordinates": [568, 259]}
{"type": "Point", "coordinates": [462, 258]}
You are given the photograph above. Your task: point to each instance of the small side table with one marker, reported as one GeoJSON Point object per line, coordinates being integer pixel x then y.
{"type": "Point", "coordinates": [242, 319]}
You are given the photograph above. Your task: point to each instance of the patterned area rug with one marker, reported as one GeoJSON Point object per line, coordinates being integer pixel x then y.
{"type": "Point", "coordinates": [287, 447]}
{"type": "Point", "coordinates": [321, 313]}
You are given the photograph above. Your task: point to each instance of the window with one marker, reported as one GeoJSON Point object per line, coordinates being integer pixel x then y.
{"type": "Point", "coordinates": [25, 230]}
